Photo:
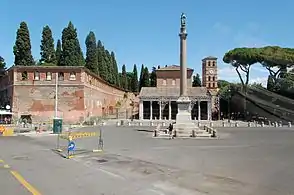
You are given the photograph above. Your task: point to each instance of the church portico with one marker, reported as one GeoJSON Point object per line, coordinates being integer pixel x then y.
{"type": "Point", "coordinates": [161, 103]}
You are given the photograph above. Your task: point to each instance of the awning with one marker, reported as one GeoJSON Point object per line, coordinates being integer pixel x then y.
{"type": "Point", "coordinates": [4, 112]}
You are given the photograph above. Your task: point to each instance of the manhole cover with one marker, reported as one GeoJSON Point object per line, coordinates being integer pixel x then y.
{"type": "Point", "coordinates": [102, 160]}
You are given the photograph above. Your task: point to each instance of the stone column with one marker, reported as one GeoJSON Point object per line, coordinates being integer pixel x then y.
{"type": "Point", "coordinates": [141, 110]}
{"type": "Point", "coordinates": [183, 59]}
{"type": "Point", "coordinates": [208, 110]}
{"type": "Point", "coordinates": [151, 110]}
{"type": "Point", "coordinates": [169, 110]}
{"type": "Point", "coordinates": [160, 110]}
{"type": "Point", "coordinates": [199, 111]}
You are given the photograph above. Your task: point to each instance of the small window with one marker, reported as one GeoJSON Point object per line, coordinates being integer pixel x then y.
{"type": "Point", "coordinates": [208, 63]}
{"type": "Point", "coordinates": [48, 76]}
{"type": "Point", "coordinates": [174, 82]}
{"type": "Point", "coordinates": [209, 86]}
{"type": "Point", "coordinates": [24, 75]}
{"type": "Point", "coordinates": [213, 63]}
{"type": "Point", "coordinates": [209, 78]}
{"type": "Point", "coordinates": [36, 75]}
{"type": "Point", "coordinates": [213, 85]}
{"type": "Point", "coordinates": [164, 82]}
{"type": "Point", "coordinates": [72, 76]}
{"type": "Point", "coordinates": [213, 78]}
{"type": "Point", "coordinates": [60, 76]}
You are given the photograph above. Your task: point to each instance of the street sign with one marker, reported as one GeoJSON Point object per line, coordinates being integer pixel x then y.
{"type": "Point", "coordinates": [71, 146]}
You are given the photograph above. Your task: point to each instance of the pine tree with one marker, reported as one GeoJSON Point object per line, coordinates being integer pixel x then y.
{"type": "Point", "coordinates": [270, 83]}
{"type": "Point", "coordinates": [91, 54]}
{"type": "Point", "coordinates": [58, 52]}
{"type": "Point", "coordinates": [141, 76]}
{"type": "Point", "coordinates": [153, 77]}
{"type": "Point", "coordinates": [22, 48]}
{"type": "Point", "coordinates": [47, 47]}
{"type": "Point", "coordinates": [115, 68]}
{"type": "Point", "coordinates": [196, 81]}
{"type": "Point", "coordinates": [72, 54]}
{"type": "Point", "coordinates": [134, 81]}
{"type": "Point", "coordinates": [101, 62]}
{"type": "Point", "coordinates": [124, 78]}
{"type": "Point", "coordinates": [2, 63]}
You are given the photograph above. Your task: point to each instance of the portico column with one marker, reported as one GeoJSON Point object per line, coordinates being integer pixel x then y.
{"type": "Point", "coordinates": [169, 110]}
{"type": "Point", "coordinates": [208, 110]}
{"type": "Point", "coordinates": [160, 112]}
{"type": "Point", "coordinates": [151, 110]}
{"type": "Point", "coordinates": [199, 111]}
{"type": "Point", "coordinates": [141, 110]}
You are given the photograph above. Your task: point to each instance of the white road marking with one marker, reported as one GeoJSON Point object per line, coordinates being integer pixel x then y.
{"type": "Point", "coordinates": [200, 147]}
{"type": "Point", "coordinates": [89, 165]}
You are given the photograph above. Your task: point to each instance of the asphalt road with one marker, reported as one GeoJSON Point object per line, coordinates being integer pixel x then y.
{"type": "Point", "coordinates": [242, 161]}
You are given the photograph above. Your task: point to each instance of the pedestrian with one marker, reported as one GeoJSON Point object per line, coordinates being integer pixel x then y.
{"type": "Point", "coordinates": [170, 129]}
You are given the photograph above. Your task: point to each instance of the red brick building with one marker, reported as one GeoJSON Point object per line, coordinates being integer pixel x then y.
{"type": "Point", "coordinates": [30, 91]}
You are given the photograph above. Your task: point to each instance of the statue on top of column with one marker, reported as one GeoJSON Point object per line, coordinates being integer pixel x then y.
{"type": "Point", "coordinates": [183, 20]}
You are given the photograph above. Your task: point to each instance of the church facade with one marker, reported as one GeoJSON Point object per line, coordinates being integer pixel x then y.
{"type": "Point", "coordinates": [159, 103]}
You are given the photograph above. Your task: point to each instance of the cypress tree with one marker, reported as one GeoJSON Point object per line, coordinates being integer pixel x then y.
{"type": "Point", "coordinates": [58, 52]}
{"type": "Point", "coordinates": [124, 78]}
{"type": "Point", "coordinates": [72, 54]}
{"type": "Point", "coordinates": [134, 81]}
{"type": "Point", "coordinates": [153, 77]}
{"type": "Point", "coordinates": [115, 68]}
{"type": "Point", "coordinates": [141, 76]}
{"type": "Point", "coordinates": [145, 78]}
{"type": "Point", "coordinates": [109, 66]}
{"type": "Point", "coordinates": [22, 48]}
{"type": "Point", "coordinates": [2, 63]}
{"type": "Point", "coordinates": [101, 62]}
{"type": "Point", "coordinates": [47, 47]}
{"type": "Point", "coordinates": [91, 54]}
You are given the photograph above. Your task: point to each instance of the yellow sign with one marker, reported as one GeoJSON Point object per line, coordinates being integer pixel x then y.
{"type": "Point", "coordinates": [77, 135]}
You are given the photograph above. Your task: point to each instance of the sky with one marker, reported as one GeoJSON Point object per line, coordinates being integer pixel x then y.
{"type": "Point", "coordinates": [146, 32]}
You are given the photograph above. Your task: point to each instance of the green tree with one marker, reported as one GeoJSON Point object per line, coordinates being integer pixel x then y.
{"type": "Point", "coordinates": [270, 83]}
{"type": "Point", "coordinates": [22, 48]}
{"type": "Point", "coordinates": [2, 63]}
{"type": "Point", "coordinates": [115, 68]}
{"type": "Point", "coordinates": [91, 53]}
{"type": "Point", "coordinates": [58, 52]}
{"type": "Point", "coordinates": [124, 79]}
{"type": "Point", "coordinates": [109, 66]}
{"type": "Point", "coordinates": [242, 59]}
{"type": "Point", "coordinates": [72, 54]}
{"type": "Point", "coordinates": [102, 69]}
{"type": "Point", "coordinates": [141, 76]}
{"type": "Point", "coordinates": [129, 80]}
{"type": "Point", "coordinates": [134, 79]}
{"type": "Point", "coordinates": [47, 47]}
{"type": "Point", "coordinates": [196, 81]}
{"type": "Point", "coordinates": [153, 77]}
{"type": "Point", "coordinates": [145, 78]}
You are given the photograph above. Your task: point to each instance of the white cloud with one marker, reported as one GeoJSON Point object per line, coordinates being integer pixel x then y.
{"type": "Point", "coordinates": [259, 80]}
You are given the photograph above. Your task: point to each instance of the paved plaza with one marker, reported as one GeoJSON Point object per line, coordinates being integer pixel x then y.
{"type": "Point", "coordinates": [241, 161]}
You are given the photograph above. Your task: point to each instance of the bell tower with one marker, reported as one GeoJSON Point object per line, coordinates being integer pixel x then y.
{"type": "Point", "coordinates": [209, 73]}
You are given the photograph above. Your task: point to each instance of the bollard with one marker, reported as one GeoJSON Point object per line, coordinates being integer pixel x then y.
{"type": "Point", "coordinates": [280, 124]}
{"type": "Point", "coordinates": [289, 124]}
{"type": "Point", "coordinates": [163, 124]}
{"type": "Point", "coordinates": [165, 118]}
{"type": "Point", "coordinates": [224, 124]}
{"type": "Point", "coordinates": [199, 124]}
{"type": "Point", "coordinates": [211, 124]}
{"type": "Point", "coordinates": [213, 134]}
{"type": "Point", "coordinates": [129, 123]}
{"type": "Point", "coordinates": [276, 124]}
{"type": "Point", "coordinates": [103, 123]}
{"type": "Point", "coordinates": [195, 118]}
{"type": "Point", "coordinates": [262, 124]}
{"type": "Point", "coordinates": [140, 124]}
{"type": "Point", "coordinates": [269, 123]}
{"type": "Point", "coordinates": [117, 123]}
{"type": "Point", "coordinates": [193, 133]}
{"type": "Point", "coordinates": [249, 124]}
{"type": "Point", "coordinates": [236, 124]}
